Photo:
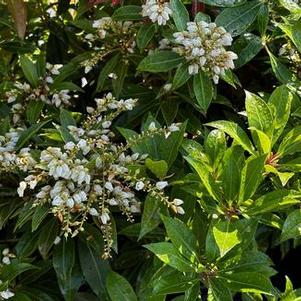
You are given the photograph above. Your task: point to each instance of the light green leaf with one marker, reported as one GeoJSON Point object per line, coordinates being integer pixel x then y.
{"type": "Point", "coordinates": [259, 114]}
{"type": "Point", "coordinates": [249, 282]}
{"type": "Point", "coordinates": [182, 238]}
{"type": "Point", "coordinates": [291, 142]}
{"type": "Point", "coordinates": [280, 101]}
{"type": "Point", "coordinates": [235, 132]}
{"type": "Point", "coordinates": [273, 201]}
{"type": "Point", "coordinates": [251, 177]}
{"type": "Point", "coordinates": [226, 236]}
{"type": "Point", "coordinates": [158, 168]}
{"type": "Point", "coordinates": [292, 226]}
{"type": "Point", "coordinates": [167, 253]}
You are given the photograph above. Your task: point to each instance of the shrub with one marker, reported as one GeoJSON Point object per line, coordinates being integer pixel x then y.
{"type": "Point", "coordinates": [149, 150]}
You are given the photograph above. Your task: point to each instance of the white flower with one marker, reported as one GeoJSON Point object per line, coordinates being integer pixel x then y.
{"type": "Point", "coordinates": [21, 188]}
{"type": "Point", "coordinates": [161, 185]}
{"type": "Point", "coordinates": [51, 12]}
{"type": "Point", "coordinates": [106, 124]}
{"type": "Point", "coordinates": [139, 185]}
{"type": "Point", "coordinates": [6, 260]}
{"type": "Point", "coordinates": [104, 217]}
{"type": "Point", "coordinates": [109, 186]}
{"type": "Point", "coordinates": [157, 10]}
{"type": "Point", "coordinates": [203, 46]}
{"type": "Point", "coordinates": [178, 202]}
{"type": "Point", "coordinates": [93, 212]}
{"type": "Point", "coordinates": [6, 294]}
{"type": "Point", "coordinates": [152, 126]}
{"type": "Point", "coordinates": [57, 240]}
{"type": "Point", "coordinates": [174, 127]}
{"type": "Point", "coordinates": [5, 251]}
{"type": "Point", "coordinates": [180, 210]}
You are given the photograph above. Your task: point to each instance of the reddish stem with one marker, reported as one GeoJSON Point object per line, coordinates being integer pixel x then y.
{"type": "Point", "coordinates": [197, 6]}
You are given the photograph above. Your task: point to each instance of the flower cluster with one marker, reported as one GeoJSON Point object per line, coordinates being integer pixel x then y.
{"type": "Point", "coordinates": [158, 11]}
{"type": "Point", "coordinates": [113, 35]}
{"type": "Point", "coordinates": [6, 260]}
{"type": "Point", "coordinates": [23, 93]}
{"type": "Point", "coordinates": [91, 173]}
{"type": "Point", "coordinates": [203, 46]}
{"type": "Point", "coordinates": [9, 158]}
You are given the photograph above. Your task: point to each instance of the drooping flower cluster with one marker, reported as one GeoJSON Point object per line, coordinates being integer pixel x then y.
{"type": "Point", "coordinates": [158, 11]}
{"type": "Point", "coordinates": [112, 35]}
{"type": "Point", "coordinates": [6, 260]}
{"type": "Point", "coordinates": [90, 173]}
{"type": "Point", "coordinates": [203, 46]}
{"type": "Point", "coordinates": [22, 93]}
{"type": "Point", "coordinates": [9, 158]}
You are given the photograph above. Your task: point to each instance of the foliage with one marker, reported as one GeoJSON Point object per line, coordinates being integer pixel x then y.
{"type": "Point", "coordinates": [149, 150]}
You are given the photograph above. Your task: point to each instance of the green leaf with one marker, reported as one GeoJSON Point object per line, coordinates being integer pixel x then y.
{"type": "Point", "coordinates": [259, 114]}
{"type": "Point", "coordinates": [47, 236]}
{"type": "Point", "coordinates": [68, 274]}
{"type": "Point", "coordinates": [292, 226]}
{"type": "Point", "coordinates": [203, 90]}
{"type": "Point", "coordinates": [282, 73]}
{"type": "Point", "coordinates": [235, 132]}
{"type": "Point", "coordinates": [128, 13]}
{"type": "Point", "coordinates": [231, 172]}
{"type": "Point", "coordinates": [158, 168]}
{"type": "Point", "coordinates": [95, 270]}
{"type": "Point", "coordinates": [119, 288]}
{"type": "Point", "coordinates": [263, 18]}
{"type": "Point", "coordinates": [160, 61]}
{"type": "Point", "coordinates": [251, 177]}
{"type": "Point", "coordinates": [247, 46]}
{"type": "Point", "coordinates": [273, 201]}
{"type": "Point", "coordinates": [10, 271]}
{"type": "Point", "coordinates": [167, 253]}
{"type": "Point", "coordinates": [180, 14]}
{"type": "Point", "coordinates": [145, 34]}
{"type": "Point", "coordinates": [171, 281]}
{"type": "Point", "coordinates": [280, 101]}
{"type": "Point", "coordinates": [108, 68]}
{"type": "Point", "coordinates": [291, 142]}
{"type": "Point", "coordinates": [30, 71]}
{"type": "Point", "coordinates": [224, 3]}
{"type": "Point", "coordinates": [150, 216]}
{"type": "Point", "coordinates": [66, 118]}
{"type": "Point", "coordinates": [206, 177]}
{"type": "Point", "coordinates": [181, 77]}
{"type": "Point", "coordinates": [26, 135]}
{"type": "Point", "coordinates": [39, 215]}
{"type": "Point", "coordinates": [181, 237]}
{"type": "Point", "coordinates": [236, 20]}
{"type": "Point", "coordinates": [248, 282]}
{"type": "Point", "coordinates": [219, 290]}
{"type": "Point", "coordinates": [33, 111]}
{"type": "Point", "coordinates": [293, 31]}
{"type": "Point", "coordinates": [215, 147]}
{"type": "Point", "coordinates": [225, 236]}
